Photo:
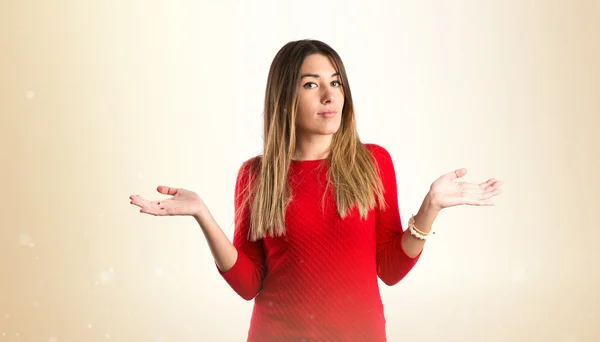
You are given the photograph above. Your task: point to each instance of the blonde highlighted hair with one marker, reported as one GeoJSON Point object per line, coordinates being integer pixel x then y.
{"type": "Point", "coordinates": [352, 171]}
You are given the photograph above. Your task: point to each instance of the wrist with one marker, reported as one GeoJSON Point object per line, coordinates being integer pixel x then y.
{"type": "Point", "coordinates": [430, 205]}
{"type": "Point", "coordinates": [427, 214]}
{"type": "Point", "coordinates": [201, 213]}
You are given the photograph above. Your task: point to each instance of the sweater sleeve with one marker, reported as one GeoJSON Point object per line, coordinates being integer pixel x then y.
{"type": "Point", "coordinates": [248, 272]}
{"type": "Point", "coordinates": [393, 264]}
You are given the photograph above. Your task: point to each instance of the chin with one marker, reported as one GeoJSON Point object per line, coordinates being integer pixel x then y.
{"type": "Point", "coordinates": [329, 131]}
{"type": "Point", "coordinates": [322, 132]}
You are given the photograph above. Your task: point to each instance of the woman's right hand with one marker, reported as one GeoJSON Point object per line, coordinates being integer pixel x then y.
{"type": "Point", "coordinates": [182, 203]}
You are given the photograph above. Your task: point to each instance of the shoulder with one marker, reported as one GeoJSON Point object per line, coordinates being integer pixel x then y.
{"type": "Point", "coordinates": [379, 153]}
{"type": "Point", "coordinates": [248, 167]}
{"type": "Point", "coordinates": [251, 163]}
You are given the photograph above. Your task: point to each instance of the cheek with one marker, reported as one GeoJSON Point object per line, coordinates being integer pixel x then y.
{"type": "Point", "coordinates": [306, 108]}
{"type": "Point", "coordinates": [340, 99]}
{"type": "Point", "coordinates": [304, 118]}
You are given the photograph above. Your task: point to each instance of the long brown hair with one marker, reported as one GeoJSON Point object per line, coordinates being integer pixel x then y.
{"type": "Point", "coordinates": [352, 171]}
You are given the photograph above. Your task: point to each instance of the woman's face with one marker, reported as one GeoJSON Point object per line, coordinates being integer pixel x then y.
{"type": "Point", "coordinates": [320, 97]}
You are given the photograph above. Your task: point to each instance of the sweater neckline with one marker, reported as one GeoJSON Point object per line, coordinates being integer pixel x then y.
{"type": "Point", "coordinates": [308, 161]}
{"type": "Point", "coordinates": [310, 165]}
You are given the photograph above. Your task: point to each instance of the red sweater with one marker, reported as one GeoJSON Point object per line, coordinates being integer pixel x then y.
{"type": "Point", "coordinates": [319, 282]}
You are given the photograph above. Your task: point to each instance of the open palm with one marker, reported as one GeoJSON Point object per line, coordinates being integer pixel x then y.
{"type": "Point", "coordinates": [183, 202]}
{"type": "Point", "coordinates": [447, 191]}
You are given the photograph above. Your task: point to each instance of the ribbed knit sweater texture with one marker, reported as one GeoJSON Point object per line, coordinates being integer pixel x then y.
{"type": "Point", "coordinates": [319, 282]}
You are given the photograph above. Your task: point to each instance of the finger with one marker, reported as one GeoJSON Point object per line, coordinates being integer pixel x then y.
{"type": "Point", "coordinates": [456, 174]}
{"type": "Point", "coordinates": [479, 201]}
{"type": "Point", "coordinates": [483, 203]}
{"type": "Point", "coordinates": [150, 211]}
{"type": "Point", "coordinates": [151, 207]}
{"type": "Point", "coordinates": [137, 200]}
{"type": "Point", "coordinates": [141, 202]}
{"type": "Point", "coordinates": [165, 190]}
{"type": "Point", "coordinates": [154, 211]}
{"type": "Point", "coordinates": [147, 211]}
{"type": "Point", "coordinates": [493, 193]}
{"type": "Point", "coordinates": [486, 195]}
{"type": "Point", "coordinates": [486, 183]}
{"type": "Point", "coordinates": [493, 186]}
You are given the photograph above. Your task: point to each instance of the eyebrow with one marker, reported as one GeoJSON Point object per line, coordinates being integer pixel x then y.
{"type": "Point", "coordinates": [317, 76]}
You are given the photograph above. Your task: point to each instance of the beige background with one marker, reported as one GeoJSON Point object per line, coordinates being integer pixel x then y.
{"type": "Point", "coordinates": [104, 99]}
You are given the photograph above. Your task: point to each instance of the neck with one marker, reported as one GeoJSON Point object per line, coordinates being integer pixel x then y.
{"type": "Point", "coordinates": [312, 147]}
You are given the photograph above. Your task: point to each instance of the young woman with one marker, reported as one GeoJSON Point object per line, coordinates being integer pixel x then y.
{"type": "Point", "coordinates": [317, 220]}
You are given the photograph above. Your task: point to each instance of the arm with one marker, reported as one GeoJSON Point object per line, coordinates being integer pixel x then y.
{"type": "Point", "coordinates": [447, 192]}
{"type": "Point", "coordinates": [397, 250]}
{"type": "Point", "coordinates": [223, 251]}
{"type": "Point", "coordinates": [423, 221]}
{"type": "Point", "coordinates": [241, 263]}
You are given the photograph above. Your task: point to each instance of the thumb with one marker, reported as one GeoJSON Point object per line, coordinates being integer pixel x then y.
{"type": "Point", "coordinates": [457, 173]}
{"type": "Point", "coordinates": [165, 190]}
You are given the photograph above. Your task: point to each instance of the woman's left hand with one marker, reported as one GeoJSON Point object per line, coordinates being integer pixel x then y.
{"type": "Point", "coordinates": [446, 191]}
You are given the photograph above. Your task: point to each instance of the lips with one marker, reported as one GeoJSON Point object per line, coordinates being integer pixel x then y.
{"type": "Point", "coordinates": [328, 114]}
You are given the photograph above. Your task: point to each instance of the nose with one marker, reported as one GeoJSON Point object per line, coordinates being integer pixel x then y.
{"type": "Point", "coordinates": [326, 95]}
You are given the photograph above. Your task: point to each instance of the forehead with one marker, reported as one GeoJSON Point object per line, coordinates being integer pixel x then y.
{"type": "Point", "coordinates": [317, 63]}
